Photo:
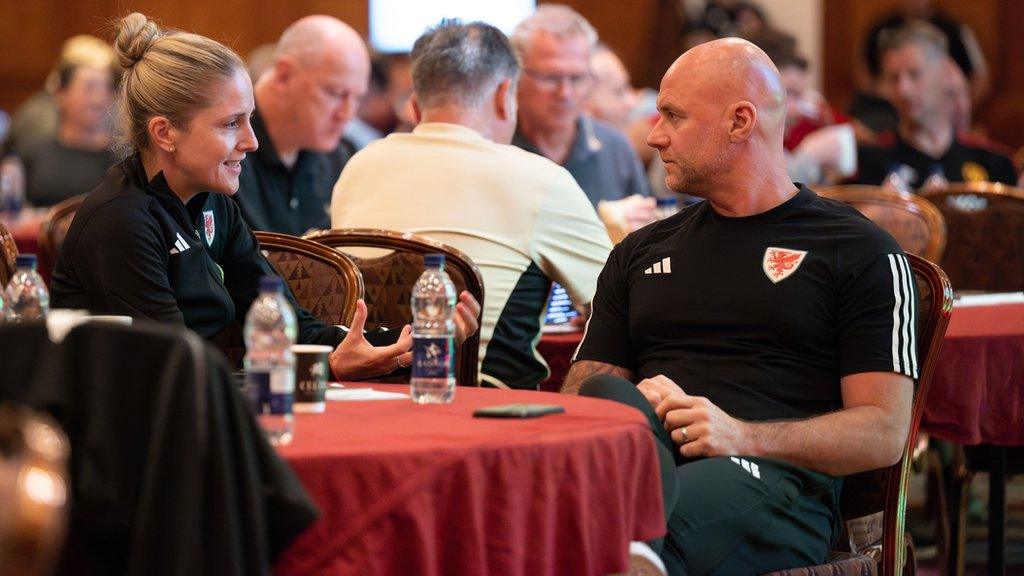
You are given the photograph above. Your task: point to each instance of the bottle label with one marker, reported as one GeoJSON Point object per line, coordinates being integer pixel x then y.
{"type": "Point", "coordinates": [433, 357]}
{"type": "Point", "coordinates": [271, 392]}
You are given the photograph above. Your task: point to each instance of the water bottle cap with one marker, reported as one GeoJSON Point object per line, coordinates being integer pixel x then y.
{"type": "Point", "coordinates": [271, 284]}
{"type": "Point", "coordinates": [25, 261]}
{"type": "Point", "coordinates": [433, 260]}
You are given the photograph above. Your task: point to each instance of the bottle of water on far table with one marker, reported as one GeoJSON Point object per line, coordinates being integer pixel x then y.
{"type": "Point", "coordinates": [895, 181]}
{"type": "Point", "coordinates": [270, 329]}
{"type": "Point", "coordinates": [27, 297]}
{"type": "Point", "coordinates": [433, 334]}
{"type": "Point", "coordinates": [936, 180]}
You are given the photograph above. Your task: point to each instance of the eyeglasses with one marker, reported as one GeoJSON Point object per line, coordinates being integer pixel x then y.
{"type": "Point", "coordinates": [578, 82]}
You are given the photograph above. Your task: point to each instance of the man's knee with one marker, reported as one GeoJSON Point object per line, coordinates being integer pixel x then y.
{"type": "Point", "coordinates": [603, 385]}
{"type": "Point", "coordinates": [615, 388]}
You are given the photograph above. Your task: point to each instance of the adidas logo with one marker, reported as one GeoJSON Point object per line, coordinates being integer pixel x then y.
{"type": "Point", "coordinates": [180, 245]}
{"type": "Point", "coordinates": [663, 267]}
{"type": "Point", "coordinates": [750, 467]}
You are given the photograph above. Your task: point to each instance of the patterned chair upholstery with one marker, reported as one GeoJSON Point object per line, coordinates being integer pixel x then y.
{"type": "Point", "coordinates": [388, 280]}
{"type": "Point", "coordinates": [323, 281]}
{"type": "Point", "coordinates": [54, 228]}
{"type": "Point", "coordinates": [839, 564]}
{"type": "Point", "coordinates": [914, 222]}
{"type": "Point", "coordinates": [873, 502]}
{"type": "Point", "coordinates": [986, 235]}
{"type": "Point", "coordinates": [8, 255]}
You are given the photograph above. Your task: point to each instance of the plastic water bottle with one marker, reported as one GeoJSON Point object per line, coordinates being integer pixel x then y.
{"type": "Point", "coordinates": [27, 297]}
{"type": "Point", "coordinates": [895, 181]}
{"type": "Point", "coordinates": [12, 188]}
{"type": "Point", "coordinates": [936, 179]}
{"type": "Point", "coordinates": [270, 329]}
{"type": "Point", "coordinates": [433, 334]}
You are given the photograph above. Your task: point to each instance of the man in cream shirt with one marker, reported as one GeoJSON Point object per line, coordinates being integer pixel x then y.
{"type": "Point", "coordinates": [522, 218]}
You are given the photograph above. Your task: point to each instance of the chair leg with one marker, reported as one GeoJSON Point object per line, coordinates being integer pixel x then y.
{"type": "Point", "coordinates": [910, 560]}
{"type": "Point", "coordinates": [939, 510]}
{"type": "Point", "coordinates": [958, 484]}
{"type": "Point", "coordinates": [997, 512]}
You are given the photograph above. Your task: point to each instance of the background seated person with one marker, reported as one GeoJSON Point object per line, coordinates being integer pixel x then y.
{"type": "Point", "coordinates": [76, 157]}
{"type": "Point", "coordinates": [521, 218]}
{"type": "Point", "coordinates": [914, 72]}
{"type": "Point", "coordinates": [555, 44]}
{"type": "Point", "coordinates": [770, 332]}
{"type": "Point", "coordinates": [304, 102]}
{"type": "Point", "coordinates": [134, 246]}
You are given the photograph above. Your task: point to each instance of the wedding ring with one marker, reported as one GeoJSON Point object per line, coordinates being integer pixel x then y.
{"type": "Point", "coordinates": [683, 438]}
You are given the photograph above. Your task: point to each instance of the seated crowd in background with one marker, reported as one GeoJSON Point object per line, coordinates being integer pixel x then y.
{"type": "Point", "coordinates": [520, 217]}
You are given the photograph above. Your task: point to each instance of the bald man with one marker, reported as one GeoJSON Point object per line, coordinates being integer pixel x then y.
{"type": "Point", "coordinates": [767, 333]}
{"type": "Point", "coordinates": [304, 101]}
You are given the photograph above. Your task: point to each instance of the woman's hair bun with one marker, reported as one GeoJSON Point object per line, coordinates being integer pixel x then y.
{"type": "Point", "coordinates": [135, 35]}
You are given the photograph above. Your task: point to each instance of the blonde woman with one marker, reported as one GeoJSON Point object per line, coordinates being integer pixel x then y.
{"type": "Point", "coordinates": [159, 238]}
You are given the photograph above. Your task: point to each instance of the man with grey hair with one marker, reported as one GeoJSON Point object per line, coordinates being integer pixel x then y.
{"type": "Point", "coordinates": [914, 74]}
{"type": "Point", "coordinates": [555, 45]}
{"type": "Point", "coordinates": [521, 218]}
{"type": "Point", "coordinates": [304, 101]}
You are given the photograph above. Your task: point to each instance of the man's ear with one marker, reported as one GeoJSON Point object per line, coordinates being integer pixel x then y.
{"type": "Point", "coordinates": [505, 100]}
{"type": "Point", "coordinates": [742, 117]}
{"type": "Point", "coordinates": [162, 133]}
{"type": "Point", "coordinates": [414, 105]}
{"type": "Point", "coordinates": [284, 68]}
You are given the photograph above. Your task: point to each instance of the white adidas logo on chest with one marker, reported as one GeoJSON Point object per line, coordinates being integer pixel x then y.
{"type": "Point", "coordinates": [663, 266]}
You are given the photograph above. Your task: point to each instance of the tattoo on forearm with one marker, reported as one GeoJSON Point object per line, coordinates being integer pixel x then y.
{"type": "Point", "coordinates": [583, 369]}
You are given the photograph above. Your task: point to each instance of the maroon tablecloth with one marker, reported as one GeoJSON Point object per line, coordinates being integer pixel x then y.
{"type": "Point", "coordinates": [430, 490]}
{"type": "Point", "coordinates": [26, 231]}
{"type": "Point", "coordinates": [557, 350]}
{"type": "Point", "coordinates": [977, 392]}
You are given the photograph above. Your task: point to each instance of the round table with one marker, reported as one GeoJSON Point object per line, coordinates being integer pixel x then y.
{"type": "Point", "coordinates": [409, 489]}
{"type": "Point", "coordinates": [977, 392]}
{"type": "Point", "coordinates": [977, 398]}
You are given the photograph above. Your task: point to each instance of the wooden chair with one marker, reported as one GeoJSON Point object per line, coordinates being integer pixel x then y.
{"type": "Point", "coordinates": [389, 279]}
{"type": "Point", "coordinates": [861, 501]}
{"type": "Point", "coordinates": [8, 256]}
{"type": "Point", "coordinates": [914, 222]}
{"type": "Point", "coordinates": [986, 235]}
{"type": "Point", "coordinates": [324, 281]}
{"type": "Point", "coordinates": [54, 228]}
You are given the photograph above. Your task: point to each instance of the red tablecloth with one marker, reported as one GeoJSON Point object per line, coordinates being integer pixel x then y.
{"type": "Point", "coordinates": [557, 350]}
{"type": "Point", "coordinates": [977, 392]}
{"type": "Point", "coordinates": [26, 231]}
{"type": "Point", "coordinates": [430, 490]}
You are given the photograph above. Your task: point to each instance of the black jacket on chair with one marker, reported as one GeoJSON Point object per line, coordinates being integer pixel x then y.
{"type": "Point", "coordinates": [170, 473]}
